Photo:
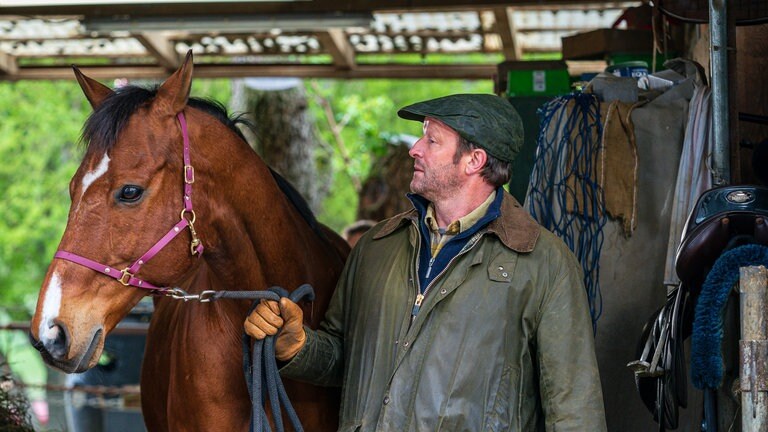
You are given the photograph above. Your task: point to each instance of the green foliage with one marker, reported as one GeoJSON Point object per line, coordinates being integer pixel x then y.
{"type": "Point", "coordinates": [40, 127]}
{"type": "Point", "coordinates": [215, 89]}
{"type": "Point", "coordinates": [368, 109]}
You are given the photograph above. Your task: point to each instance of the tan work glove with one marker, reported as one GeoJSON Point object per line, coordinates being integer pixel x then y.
{"type": "Point", "coordinates": [268, 317]}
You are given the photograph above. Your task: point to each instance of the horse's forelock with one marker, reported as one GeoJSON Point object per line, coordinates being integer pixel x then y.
{"type": "Point", "coordinates": [104, 125]}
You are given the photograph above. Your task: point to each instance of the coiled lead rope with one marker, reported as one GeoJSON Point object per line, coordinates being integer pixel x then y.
{"type": "Point", "coordinates": [259, 362]}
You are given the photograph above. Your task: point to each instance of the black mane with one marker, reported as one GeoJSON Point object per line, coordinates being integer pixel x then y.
{"type": "Point", "coordinates": [104, 125]}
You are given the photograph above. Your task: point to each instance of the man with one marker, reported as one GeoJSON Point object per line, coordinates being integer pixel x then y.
{"type": "Point", "coordinates": [354, 231]}
{"type": "Point", "coordinates": [461, 314]}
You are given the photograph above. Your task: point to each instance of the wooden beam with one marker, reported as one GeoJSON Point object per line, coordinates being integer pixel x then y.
{"type": "Point", "coordinates": [8, 65]}
{"type": "Point", "coordinates": [505, 27]}
{"type": "Point", "coordinates": [338, 46]}
{"type": "Point", "coordinates": [391, 71]}
{"type": "Point", "coordinates": [161, 48]}
{"type": "Point", "coordinates": [157, 9]}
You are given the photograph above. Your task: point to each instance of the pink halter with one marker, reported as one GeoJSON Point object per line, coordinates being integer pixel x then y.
{"type": "Point", "coordinates": [126, 275]}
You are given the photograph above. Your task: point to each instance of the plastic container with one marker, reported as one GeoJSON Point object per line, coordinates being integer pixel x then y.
{"type": "Point", "coordinates": [543, 82]}
{"type": "Point", "coordinates": [633, 69]}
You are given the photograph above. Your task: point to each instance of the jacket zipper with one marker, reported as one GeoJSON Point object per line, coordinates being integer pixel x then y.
{"type": "Point", "coordinates": [420, 296]}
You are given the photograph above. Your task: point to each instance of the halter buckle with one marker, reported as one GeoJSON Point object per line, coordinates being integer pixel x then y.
{"type": "Point", "coordinates": [189, 174]}
{"type": "Point", "coordinates": [125, 277]}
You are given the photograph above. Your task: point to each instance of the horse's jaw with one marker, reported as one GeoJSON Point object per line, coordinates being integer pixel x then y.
{"type": "Point", "coordinates": [80, 362]}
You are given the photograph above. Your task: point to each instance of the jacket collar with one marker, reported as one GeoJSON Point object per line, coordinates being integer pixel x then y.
{"type": "Point", "coordinates": [515, 228]}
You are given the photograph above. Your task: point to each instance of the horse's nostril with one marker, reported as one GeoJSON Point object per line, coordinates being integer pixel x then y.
{"type": "Point", "coordinates": [56, 341]}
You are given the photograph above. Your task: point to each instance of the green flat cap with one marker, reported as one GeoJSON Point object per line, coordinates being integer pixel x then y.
{"type": "Point", "coordinates": [485, 120]}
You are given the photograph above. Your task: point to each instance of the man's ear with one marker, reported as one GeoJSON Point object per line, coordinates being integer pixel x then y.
{"type": "Point", "coordinates": [477, 160]}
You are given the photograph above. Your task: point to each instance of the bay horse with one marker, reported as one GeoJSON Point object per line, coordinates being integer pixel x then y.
{"type": "Point", "coordinates": [141, 168]}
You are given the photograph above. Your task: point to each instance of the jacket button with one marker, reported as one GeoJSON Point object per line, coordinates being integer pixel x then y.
{"type": "Point", "coordinates": [386, 400]}
{"type": "Point", "coordinates": [505, 274]}
{"type": "Point", "coordinates": [405, 345]}
{"type": "Point", "coordinates": [443, 291]}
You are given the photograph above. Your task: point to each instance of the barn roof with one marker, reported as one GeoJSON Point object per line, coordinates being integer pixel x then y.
{"type": "Point", "coordinates": [39, 39]}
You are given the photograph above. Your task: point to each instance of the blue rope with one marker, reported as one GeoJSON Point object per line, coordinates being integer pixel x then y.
{"type": "Point", "coordinates": [260, 366]}
{"type": "Point", "coordinates": [565, 170]}
{"type": "Point", "coordinates": [707, 336]}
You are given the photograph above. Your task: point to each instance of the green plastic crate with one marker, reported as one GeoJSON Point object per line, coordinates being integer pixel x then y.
{"type": "Point", "coordinates": [618, 58]}
{"type": "Point", "coordinates": [539, 82]}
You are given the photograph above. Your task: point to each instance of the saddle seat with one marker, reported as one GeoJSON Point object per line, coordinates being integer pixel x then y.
{"type": "Point", "coordinates": [723, 218]}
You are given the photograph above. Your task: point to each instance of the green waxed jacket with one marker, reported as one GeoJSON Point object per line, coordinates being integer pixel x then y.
{"type": "Point", "coordinates": [502, 342]}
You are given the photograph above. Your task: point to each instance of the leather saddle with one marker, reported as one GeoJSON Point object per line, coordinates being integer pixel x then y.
{"type": "Point", "coordinates": [723, 218]}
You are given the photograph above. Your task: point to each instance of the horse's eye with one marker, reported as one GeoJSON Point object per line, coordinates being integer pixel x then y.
{"type": "Point", "coordinates": [130, 193]}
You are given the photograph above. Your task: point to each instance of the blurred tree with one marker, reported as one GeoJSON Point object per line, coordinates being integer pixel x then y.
{"type": "Point", "coordinates": [383, 193]}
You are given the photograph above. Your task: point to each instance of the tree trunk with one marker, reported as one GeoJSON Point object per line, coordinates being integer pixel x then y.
{"type": "Point", "coordinates": [283, 134]}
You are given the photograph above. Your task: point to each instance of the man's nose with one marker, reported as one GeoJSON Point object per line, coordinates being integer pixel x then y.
{"type": "Point", "coordinates": [416, 149]}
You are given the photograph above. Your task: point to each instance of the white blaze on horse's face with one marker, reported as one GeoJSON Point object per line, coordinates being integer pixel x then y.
{"type": "Point", "coordinates": [51, 306]}
{"type": "Point", "coordinates": [92, 176]}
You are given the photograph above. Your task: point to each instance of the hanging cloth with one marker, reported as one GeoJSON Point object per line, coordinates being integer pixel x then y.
{"type": "Point", "coordinates": [694, 175]}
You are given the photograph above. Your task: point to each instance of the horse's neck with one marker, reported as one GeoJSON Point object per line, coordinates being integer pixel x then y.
{"type": "Point", "coordinates": [258, 230]}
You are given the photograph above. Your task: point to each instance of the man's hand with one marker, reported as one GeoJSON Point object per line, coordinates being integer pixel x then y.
{"type": "Point", "coordinates": [268, 317]}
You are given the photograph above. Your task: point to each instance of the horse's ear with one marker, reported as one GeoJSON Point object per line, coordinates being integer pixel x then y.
{"type": "Point", "coordinates": [94, 91]}
{"type": "Point", "coordinates": [175, 90]}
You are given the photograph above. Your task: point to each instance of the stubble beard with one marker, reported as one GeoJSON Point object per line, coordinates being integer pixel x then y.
{"type": "Point", "coordinates": [436, 183]}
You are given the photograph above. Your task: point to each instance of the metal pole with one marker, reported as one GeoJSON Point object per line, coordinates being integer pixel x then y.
{"type": "Point", "coordinates": [718, 54]}
{"type": "Point", "coordinates": [753, 287]}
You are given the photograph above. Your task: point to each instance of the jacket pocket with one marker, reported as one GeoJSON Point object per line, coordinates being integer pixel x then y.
{"type": "Point", "coordinates": [502, 268]}
{"type": "Point", "coordinates": [500, 415]}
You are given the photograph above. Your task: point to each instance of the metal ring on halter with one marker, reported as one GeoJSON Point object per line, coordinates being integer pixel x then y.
{"type": "Point", "coordinates": [188, 211]}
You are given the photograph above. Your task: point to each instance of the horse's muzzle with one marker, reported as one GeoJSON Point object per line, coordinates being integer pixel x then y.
{"type": "Point", "coordinates": [55, 348]}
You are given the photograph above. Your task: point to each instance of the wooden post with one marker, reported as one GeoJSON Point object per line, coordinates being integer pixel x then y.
{"type": "Point", "coordinates": [753, 287]}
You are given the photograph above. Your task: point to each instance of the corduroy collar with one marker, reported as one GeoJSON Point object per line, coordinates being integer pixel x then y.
{"type": "Point", "coordinates": [515, 228]}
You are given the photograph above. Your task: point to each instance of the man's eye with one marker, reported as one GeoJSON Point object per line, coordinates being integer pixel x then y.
{"type": "Point", "coordinates": [130, 193]}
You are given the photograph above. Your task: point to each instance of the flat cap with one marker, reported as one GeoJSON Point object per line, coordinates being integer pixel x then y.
{"type": "Point", "coordinates": [485, 120]}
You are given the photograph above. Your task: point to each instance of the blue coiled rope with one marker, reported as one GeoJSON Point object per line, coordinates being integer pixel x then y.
{"type": "Point", "coordinates": [565, 170]}
{"type": "Point", "coordinates": [260, 364]}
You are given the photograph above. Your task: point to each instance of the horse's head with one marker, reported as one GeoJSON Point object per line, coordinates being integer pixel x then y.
{"type": "Point", "coordinates": [129, 192]}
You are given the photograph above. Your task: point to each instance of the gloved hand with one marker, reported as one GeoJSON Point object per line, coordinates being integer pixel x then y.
{"type": "Point", "coordinates": [268, 317]}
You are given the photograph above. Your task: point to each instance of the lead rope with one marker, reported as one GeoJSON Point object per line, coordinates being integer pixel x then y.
{"type": "Point", "coordinates": [259, 362]}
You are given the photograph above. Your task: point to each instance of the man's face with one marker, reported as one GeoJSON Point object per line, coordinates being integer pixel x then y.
{"type": "Point", "coordinates": [435, 174]}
